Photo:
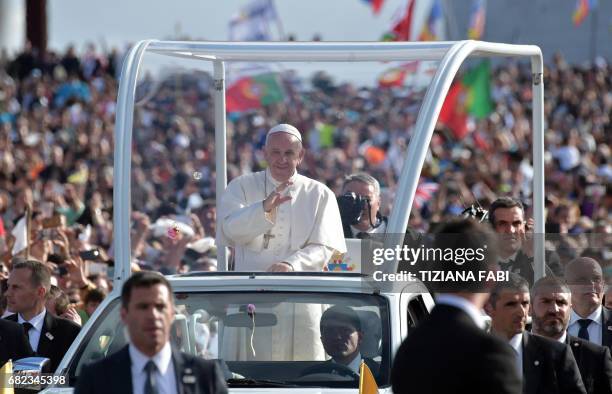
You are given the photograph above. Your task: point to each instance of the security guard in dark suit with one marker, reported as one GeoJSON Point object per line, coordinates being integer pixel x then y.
{"type": "Point", "coordinates": [49, 336]}
{"type": "Point", "coordinates": [149, 364]}
{"type": "Point", "coordinates": [551, 314]}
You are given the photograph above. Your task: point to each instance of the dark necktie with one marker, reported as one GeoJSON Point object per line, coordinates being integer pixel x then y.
{"type": "Point", "coordinates": [363, 235]}
{"type": "Point", "coordinates": [27, 326]}
{"type": "Point", "coordinates": [506, 266]}
{"type": "Point", "coordinates": [150, 386]}
{"type": "Point", "coordinates": [583, 332]}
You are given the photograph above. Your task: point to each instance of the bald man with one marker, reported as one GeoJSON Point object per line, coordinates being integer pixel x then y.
{"type": "Point", "coordinates": [589, 320]}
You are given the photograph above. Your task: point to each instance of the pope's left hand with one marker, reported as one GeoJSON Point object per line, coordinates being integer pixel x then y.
{"type": "Point", "coordinates": [280, 267]}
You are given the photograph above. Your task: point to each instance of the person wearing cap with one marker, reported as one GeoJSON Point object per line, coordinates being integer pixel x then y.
{"type": "Point", "coordinates": [277, 219]}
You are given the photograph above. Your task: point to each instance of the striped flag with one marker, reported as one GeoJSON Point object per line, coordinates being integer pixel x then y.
{"type": "Point", "coordinates": [253, 22]}
{"type": "Point", "coordinates": [477, 20]}
{"type": "Point", "coordinates": [433, 29]}
{"type": "Point", "coordinates": [425, 192]}
{"type": "Point", "coordinates": [583, 7]}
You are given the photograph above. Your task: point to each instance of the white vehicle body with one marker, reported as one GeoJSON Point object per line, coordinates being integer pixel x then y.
{"type": "Point", "coordinates": [450, 55]}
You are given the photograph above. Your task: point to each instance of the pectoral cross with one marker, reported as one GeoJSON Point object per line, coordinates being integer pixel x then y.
{"type": "Point", "coordinates": [267, 236]}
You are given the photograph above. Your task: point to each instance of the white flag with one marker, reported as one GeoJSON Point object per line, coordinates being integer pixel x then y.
{"type": "Point", "coordinates": [253, 22]}
{"type": "Point", "coordinates": [20, 232]}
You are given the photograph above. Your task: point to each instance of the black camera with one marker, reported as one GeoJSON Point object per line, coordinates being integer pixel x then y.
{"type": "Point", "coordinates": [351, 207]}
{"type": "Point", "coordinates": [475, 212]}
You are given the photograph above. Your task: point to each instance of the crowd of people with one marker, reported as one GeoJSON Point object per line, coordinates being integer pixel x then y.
{"type": "Point", "coordinates": [57, 117]}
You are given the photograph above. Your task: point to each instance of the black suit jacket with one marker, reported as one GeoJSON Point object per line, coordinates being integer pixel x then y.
{"type": "Point", "coordinates": [549, 367]}
{"type": "Point", "coordinates": [55, 338]}
{"type": "Point", "coordinates": [13, 342]}
{"type": "Point", "coordinates": [606, 328]}
{"type": "Point", "coordinates": [448, 353]}
{"type": "Point", "coordinates": [113, 374]}
{"type": "Point", "coordinates": [594, 363]}
{"type": "Point", "coordinates": [523, 266]}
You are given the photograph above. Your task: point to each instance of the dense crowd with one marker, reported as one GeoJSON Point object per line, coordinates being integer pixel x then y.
{"type": "Point", "coordinates": [57, 116]}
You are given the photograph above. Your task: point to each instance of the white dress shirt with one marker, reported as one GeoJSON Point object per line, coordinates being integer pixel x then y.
{"type": "Point", "coordinates": [464, 305]}
{"type": "Point", "coordinates": [37, 323]}
{"type": "Point", "coordinates": [164, 376]}
{"type": "Point", "coordinates": [517, 345]}
{"type": "Point", "coordinates": [594, 328]}
{"type": "Point", "coordinates": [563, 337]}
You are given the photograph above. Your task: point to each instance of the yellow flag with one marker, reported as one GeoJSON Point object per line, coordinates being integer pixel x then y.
{"type": "Point", "coordinates": [5, 372]}
{"type": "Point", "coordinates": [367, 383]}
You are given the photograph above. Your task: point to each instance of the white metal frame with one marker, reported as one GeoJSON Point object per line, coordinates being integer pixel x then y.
{"type": "Point", "coordinates": [450, 54]}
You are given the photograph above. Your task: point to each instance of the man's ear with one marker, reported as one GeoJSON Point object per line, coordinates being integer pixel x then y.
{"type": "Point", "coordinates": [488, 307]}
{"type": "Point", "coordinates": [123, 313]}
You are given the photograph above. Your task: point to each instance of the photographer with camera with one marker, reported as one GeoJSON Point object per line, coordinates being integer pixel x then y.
{"type": "Point", "coordinates": [360, 206]}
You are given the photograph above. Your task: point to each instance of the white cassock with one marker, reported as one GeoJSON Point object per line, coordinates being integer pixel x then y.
{"type": "Point", "coordinates": [305, 232]}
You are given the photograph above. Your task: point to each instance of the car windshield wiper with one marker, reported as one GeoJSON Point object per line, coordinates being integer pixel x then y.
{"type": "Point", "coordinates": [258, 383]}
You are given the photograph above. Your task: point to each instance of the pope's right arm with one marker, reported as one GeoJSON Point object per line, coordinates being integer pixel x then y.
{"type": "Point", "coordinates": [241, 220]}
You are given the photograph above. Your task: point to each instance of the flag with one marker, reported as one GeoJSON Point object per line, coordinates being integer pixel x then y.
{"type": "Point", "coordinates": [253, 92]}
{"type": "Point", "coordinates": [253, 22]}
{"type": "Point", "coordinates": [477, 20]}
{"type": "Point", "coordinates": [367, 383]}
{"type": "Point", "coordinates": [5, 372]}
{"type": "Point", "coordinates": [402, 25]}
{"type": "Point", "coordinates": [433, 29]}
{"type": "Point", "coordinates": [395, 76]}
{"type": "Point", "coordinates": [424, 192]}
{"type": "Point", "coordinates": [20, 232]}
{"type": "Point", "coordinates": [470, 96]}
{"type": "Point", "coordinates": [375, 4]}
{"type": "Point", "coordinates": [583, 7]}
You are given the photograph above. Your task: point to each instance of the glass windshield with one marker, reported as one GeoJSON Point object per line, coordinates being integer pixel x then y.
{"type": "Point", "coordinates": [271, 338]}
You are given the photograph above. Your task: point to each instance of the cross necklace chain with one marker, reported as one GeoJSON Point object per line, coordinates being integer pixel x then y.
{"type": "Point", "coordinates": [268, 235]}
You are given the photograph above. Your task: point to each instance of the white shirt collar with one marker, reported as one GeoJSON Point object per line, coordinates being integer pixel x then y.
{"type": "Point", "coordinates": [464, 305]}
{"type": "Point", "coordinates": [595, 316]}
{"type": "Point", "coordinates": [162, 359]}
{"type": "Point", "coordinates": [270, 178]}
{"type": "Point", "coordinates": [563, 337]}
{"type": "Point", "coordinates": [516, 342]}
{"type": "Point", "coordinates": [36, 322]}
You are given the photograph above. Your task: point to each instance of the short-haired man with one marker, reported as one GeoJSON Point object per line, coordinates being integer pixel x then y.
{"type": "Point", "coordinates": [277, 219]}
{"type": "Point", "coordinates": [365, 188]}
{"type": "Point", "coordinates": [450, 352]}
{"type": "Point", "coordinates": [550, 312]}
{"type": "Point", "coordinates": [149, 364]}
{"type": "Point", "coordinates": [507, 216]}
{"type": "Point", "coordinates": [547, 366]}
{"type": "Point", "coordinates": [589, 320]}
{"type": "Point", "coordinates": [342, 336]}
{"type": "Point", "coordinates": [49, 336]}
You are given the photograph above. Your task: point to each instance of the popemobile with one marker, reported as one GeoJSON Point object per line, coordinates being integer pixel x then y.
{"type": "Point", "coordinates": [263, 328]}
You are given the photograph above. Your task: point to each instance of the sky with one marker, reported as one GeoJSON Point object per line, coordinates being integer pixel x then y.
{"type": "Point", "coordinates": [116, 22]}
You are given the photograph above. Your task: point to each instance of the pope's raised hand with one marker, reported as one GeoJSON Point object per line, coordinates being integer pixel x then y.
{"type": "Point", "coordinates": [276, 198]}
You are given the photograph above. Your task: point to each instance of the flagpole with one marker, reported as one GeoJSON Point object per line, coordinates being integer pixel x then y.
{"type": "Point", "coordinates": [593, 38]}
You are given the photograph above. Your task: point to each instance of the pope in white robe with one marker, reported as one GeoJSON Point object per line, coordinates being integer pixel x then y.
{"type": "Point", "coordinates": [302, 231]}
{"type": "Point", "coordinates": [279, 220]}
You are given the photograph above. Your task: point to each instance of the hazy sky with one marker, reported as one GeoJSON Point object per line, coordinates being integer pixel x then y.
{"type": "Point", "coordinates": [119, 21]}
